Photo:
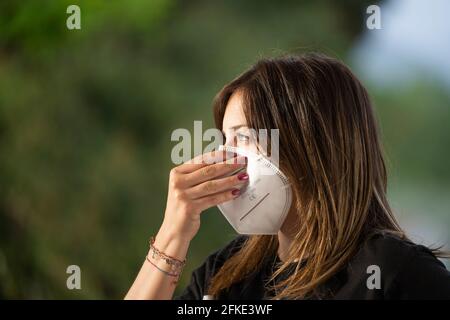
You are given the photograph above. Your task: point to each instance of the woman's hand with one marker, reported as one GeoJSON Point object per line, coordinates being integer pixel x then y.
{"type": "Point", "coordinates": [194, 186]}
{"type": "Point", "coordinates": [197, 185]}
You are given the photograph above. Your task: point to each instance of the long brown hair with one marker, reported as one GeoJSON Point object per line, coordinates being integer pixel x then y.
{"type": "Point", "coordinates": [330, 150]}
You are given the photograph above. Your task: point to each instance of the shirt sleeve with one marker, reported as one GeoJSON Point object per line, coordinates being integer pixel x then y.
{"type": "Point", "coordinates": [423, 277]}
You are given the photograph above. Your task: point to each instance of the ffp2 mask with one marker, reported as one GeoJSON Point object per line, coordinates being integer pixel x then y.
{"type": "Point", "coordinates": [264, 202]}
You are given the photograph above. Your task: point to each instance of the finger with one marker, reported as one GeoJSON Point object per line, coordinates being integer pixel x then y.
{"type": "Point", "coordinates": [204, 160]}
{"type": "Point", "coordinates": [214, 171]}
{"type": "Point", "coordinates": [217, 185]}
{"type": "Point", "coordinates": [216, 199]}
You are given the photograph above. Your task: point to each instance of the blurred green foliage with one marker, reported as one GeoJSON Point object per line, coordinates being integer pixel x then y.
{"type": "Point", "coordinates": [86, 117]}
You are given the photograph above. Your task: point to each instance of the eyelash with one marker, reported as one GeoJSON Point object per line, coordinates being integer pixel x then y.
{"type": "Point", "coordinates": [242, 137]}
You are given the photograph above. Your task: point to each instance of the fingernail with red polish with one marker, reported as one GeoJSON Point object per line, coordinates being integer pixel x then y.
{"type": "Point", "coordinates": [235, 192]}
{"type": "Point", "coordinates": [243, 176]}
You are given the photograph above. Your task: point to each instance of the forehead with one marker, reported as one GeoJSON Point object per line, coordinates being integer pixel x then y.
{"type": "Point", "coordinates": [234, 112]}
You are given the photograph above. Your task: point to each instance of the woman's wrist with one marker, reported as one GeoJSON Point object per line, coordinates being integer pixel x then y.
{"type": "Point", "coordinates": [172, 243]}
{"type": "Point", "coordinates": [167, 253]}
{"type": "Point", "coordinates": [171, 266]}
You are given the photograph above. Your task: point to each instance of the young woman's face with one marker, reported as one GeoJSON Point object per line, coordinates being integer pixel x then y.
{"type": "Point", "coordinates": [234, 125]}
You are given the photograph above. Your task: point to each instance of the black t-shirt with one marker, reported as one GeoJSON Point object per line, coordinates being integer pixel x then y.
{"type": "Point", "coordinates": [405, 271]}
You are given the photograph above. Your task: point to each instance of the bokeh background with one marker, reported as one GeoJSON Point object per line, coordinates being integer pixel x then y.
{"type": "Point", "coordinates": [86, 117]}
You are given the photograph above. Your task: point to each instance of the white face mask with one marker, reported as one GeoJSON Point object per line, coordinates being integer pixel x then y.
{"type": "Point", "coordinates": [264, 202]}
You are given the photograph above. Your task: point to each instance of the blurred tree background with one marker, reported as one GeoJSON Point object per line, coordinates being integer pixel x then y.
{"type": "Point", "coordinates": [86, 117]}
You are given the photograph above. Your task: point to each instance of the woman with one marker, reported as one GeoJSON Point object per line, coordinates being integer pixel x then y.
{"type": "Point", "coordinates": [339, 240]}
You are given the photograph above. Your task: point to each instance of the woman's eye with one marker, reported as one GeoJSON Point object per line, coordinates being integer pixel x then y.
{"type": "Point", "coordinates": [242, 137]}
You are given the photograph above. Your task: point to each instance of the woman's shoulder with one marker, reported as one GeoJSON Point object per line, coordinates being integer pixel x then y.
{"type": "Point", "coordinates": [385, 244]}
{"type": "Point", "coordinates": [394, 248]}
{"type": "Point", "coordinates": [405, 269]}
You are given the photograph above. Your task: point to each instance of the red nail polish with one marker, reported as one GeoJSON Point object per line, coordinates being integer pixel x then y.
{"type": "Point", "coordinates": [235, 192]}
{"type": "Point", "coordinates": [243, 176]}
